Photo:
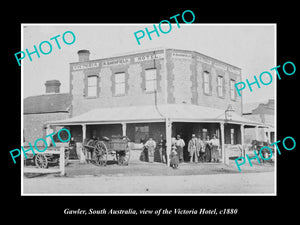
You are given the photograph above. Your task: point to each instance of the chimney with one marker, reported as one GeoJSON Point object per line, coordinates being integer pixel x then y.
{"type": "Point", "coordinates": [52, 86]}
{"type": "Point", "coordinates": [83, 55]}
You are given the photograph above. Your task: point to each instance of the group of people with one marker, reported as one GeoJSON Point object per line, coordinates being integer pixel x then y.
{"type": "Point", "coordinates": [204, 150]}
{"type": "Point", "coordinates": [199, 150]}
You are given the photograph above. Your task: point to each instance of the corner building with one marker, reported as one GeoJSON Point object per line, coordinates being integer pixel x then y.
{"type": "Point", "coordinates": [161, 91]}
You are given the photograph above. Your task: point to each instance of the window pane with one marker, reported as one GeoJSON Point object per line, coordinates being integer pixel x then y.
{"type": "Point", "coordinates": [206, 88]}
{"type": "Point", "coordinates": [120, 77]}
{"type": "Point", "coordinates": [232, 136]}
{"type": "Point", "coordinates": [151, 85]}
{"type": "Point", "coordinates": [206, 77]}
{"type": "Point", "coordinates": [120, 89]}
{"type": "Point", "coordinates": [206, 82]}
{"type": "Point", "coordinates": [220, 91]}
{"type": "Point", "coordinates": [220, 86]}
{"type": "Point", "coordinates": [150, 74]}
{"type": "Point", "coordinates": [92, 80]}
{"type": "Point", "coordinates": [220, 81]}
{"type": "Point", "coordinates": [92, 91]}
{"type": "Point", "coordinates": [232, 93]}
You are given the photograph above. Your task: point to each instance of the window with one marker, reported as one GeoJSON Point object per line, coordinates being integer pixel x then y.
{"type": "Point", "coordinates": [220, 81]}
{"type": "Point", "coordinates": [206, 82]}
{"type": "Point", "coordinates": [232, 136]}
{"type": "Point", "coordinates": [92, 86]}
{"type": "Point", "coordinates": [232, 90]}
{"type": "Point", "coordinates": [150, 80]}
{"type": "Point", "coordinates": [119, 83]}
{"type": "Point", "coordinates": [141, 133]}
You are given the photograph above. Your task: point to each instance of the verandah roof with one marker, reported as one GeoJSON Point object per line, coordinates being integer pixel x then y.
{"type": "Point", "coordinates": [152, 113]}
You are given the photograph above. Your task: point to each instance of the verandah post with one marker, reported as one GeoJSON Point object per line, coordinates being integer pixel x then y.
{"type": "Point", "coordinates": [168, 124]}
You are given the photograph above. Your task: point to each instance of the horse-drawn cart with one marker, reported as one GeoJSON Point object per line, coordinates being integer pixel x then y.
{"type": "Point", "coordinates": [49, 157]}
{"type": "Point", "coordinates": [98, 151]}
{"type": "Point", "coordinates": [258, 145]}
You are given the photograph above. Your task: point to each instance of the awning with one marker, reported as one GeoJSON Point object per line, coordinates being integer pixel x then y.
{"type": "Point", "coordinates": [152, 113]}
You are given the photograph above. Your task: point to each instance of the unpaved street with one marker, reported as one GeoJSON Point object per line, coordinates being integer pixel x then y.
{"type": "Point", "coordinates": [238, 183]}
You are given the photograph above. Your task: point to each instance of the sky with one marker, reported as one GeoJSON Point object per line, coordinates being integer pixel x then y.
{"type": "Point", "coordinates": [250, 47]}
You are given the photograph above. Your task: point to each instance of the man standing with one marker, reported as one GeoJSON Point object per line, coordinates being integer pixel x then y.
{"type": "Point", "coordinates": [150, 145]}
{"type": "Point", "coordinates": [179, 143]}
{"type": "Point", "coordinates": [200, 148]}
{"type": "Point", "coordinates": [162, 149]}
{"type": "Point", "coordinates": [192, 148]}
{"type": "Point", "coordinates": [207, 147]}
{"type": "Point", "coordinates": [215, 148]}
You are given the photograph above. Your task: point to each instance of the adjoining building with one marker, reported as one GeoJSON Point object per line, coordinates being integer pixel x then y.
{"type": "Point", "coordinates": [263, 113]}
{"type": "Point", "coordinates": [39, 109]}
{"type": "Point", "coordinates": [161, 91]}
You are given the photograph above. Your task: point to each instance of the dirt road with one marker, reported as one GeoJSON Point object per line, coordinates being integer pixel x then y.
{"type": "Point", "coordinates": [237, 183]}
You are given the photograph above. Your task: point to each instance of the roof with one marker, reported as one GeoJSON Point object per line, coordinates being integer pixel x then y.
{"type": "Point", "coordinates": [47, 103]}
{"type": "Point", "coordinates": [248, 107]}
{"type": "Point", "coordinates": [152, 113]}
{"type": "Point", "coordinates": [266, 107]}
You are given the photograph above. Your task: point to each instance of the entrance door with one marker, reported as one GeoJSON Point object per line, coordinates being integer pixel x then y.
{"type": "Point", "coordinates": [185, 130]}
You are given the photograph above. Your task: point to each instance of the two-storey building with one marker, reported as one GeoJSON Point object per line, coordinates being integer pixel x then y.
{"type": "Point", "coordinates": [162, 91]}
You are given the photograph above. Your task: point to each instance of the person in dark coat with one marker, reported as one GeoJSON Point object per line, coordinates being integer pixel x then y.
{"type": "Point", "coordinates": [162, 149]}
{"type": "Point", "coordinates": [207, 147]}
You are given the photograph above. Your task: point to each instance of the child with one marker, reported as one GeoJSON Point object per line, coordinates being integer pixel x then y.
{"type": "Point", "coordinates": [174, 159]}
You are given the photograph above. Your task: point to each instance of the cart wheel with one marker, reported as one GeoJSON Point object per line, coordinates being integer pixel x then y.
{"type": "Point", "coordinates": [123, 157]}
{"type": "Point", "coordinates": [41, 161]}
{"type": "Point", "coordinates": [101, 153]}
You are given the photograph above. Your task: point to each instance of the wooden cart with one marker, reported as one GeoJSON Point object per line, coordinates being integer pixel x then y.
{"type": "Point", "coordinates": [98, 151]}
{"type": "Point", "coordinates": [43, 160]}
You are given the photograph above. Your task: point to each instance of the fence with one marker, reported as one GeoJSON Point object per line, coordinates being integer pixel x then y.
{"type": "Point", "coordinates": [61, 170]}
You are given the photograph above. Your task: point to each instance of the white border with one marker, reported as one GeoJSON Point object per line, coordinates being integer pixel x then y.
{"type": "Point", "coordinates": [135, 24]}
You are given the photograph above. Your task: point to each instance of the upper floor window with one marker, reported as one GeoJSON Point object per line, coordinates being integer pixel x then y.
{"type": "Point", "coordinates": [92, 86]}
{"type": "Point", "coordinates": [232, 89]}
{"type": "Point", "coordinates": [150, 80]}
{"type": "Point", "coordinates": [220, 81]}
{"type": "Point", "coordinates": [206, 82]}
{"type": "Point", "coordinates": [120, 84]}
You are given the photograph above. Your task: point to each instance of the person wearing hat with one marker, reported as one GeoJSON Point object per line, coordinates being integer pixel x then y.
{"type": "Point", "coordinates": [192, 149]}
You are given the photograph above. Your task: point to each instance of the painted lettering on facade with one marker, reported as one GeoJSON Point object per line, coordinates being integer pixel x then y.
{"type": "Point", "coordinates": [220, 66]}
{"type": "Point", "coordinates": [233, 70]}
{"type": "Point", "coordinates": [86, 66]}
{"type": "Point", "coordinates": [148, 57]}
{"type": "Point", "coordinates": [115, 62]}
{"type": "Point", "coordinates": [180, 55]}
{"type": "Point", "coordinates": [203, 60]}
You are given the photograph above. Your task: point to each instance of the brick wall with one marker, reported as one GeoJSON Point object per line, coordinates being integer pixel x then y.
{"type": "Point", "coordinates": [33, 124]}
{"type": "Point", "coordinates": [185, 74]}
{"type": "Point", "coordinates": [184, 81]}
{"type": "Point", "coordinates": [135, 85]}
